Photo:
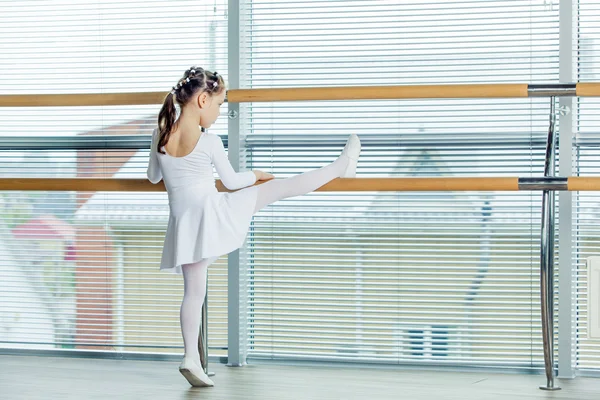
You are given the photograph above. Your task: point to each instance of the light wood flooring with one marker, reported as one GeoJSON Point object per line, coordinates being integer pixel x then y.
{"type": "Point", "coordinates": [35, 377]}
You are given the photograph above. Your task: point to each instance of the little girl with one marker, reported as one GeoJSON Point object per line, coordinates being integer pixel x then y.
{"type": "Point", "coordinates": [204, 223]}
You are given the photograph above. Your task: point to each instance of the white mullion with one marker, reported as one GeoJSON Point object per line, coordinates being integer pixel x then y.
{"type": "Point", "coordinates": [235, 296]}
{"type": "Point", "coordinates": [566, 267]}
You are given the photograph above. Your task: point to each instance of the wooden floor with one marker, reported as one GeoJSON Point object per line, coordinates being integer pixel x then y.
{"type": "Point", "coordinates": [30, 377]}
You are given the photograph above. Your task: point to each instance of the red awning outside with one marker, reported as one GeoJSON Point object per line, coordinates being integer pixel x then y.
{"type": "Point", "coordinates": [45, 227]}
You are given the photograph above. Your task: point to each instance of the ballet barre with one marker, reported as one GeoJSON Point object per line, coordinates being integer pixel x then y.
{"type": "Point", "coordinates": [548, 183]}
{"type": "Point", "coordinates": [481, 91]}
{"type": "Point", "coordinates": [428, 184]}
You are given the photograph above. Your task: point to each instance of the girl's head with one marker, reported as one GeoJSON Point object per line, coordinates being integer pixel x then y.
{"type": "Point", "coordinates": [199, 94]}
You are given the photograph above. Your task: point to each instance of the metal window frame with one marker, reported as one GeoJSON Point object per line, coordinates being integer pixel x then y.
{"type": "Point", "coordinates": [236, 346]}
{"type": "Point", "coordinates": [566, 299]}
{"type": "Point", "coordinates": [235, 297]}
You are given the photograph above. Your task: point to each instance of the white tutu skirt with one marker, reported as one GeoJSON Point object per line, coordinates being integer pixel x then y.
{"type": "Point", "coordinates": [204, 224]}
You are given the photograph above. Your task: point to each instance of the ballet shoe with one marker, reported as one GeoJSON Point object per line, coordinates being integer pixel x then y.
{"type": "Point", "coordinates": [194, 374]}
{"type": "Point", "coordinates": [352, 151]}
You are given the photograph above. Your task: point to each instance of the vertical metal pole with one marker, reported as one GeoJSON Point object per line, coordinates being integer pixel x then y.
{"type": "Point", "coordinates": [567, 293]}
{"type": "Point", "coordinates": [547, 257]}
{"type": "Point", "coordinates": [203, 338]}
{"type": "Point", "coordinates": [235, 356]}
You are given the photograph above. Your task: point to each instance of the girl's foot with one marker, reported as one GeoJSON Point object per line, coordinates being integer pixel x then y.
{"type": "Point", "coordinates": [194, 374]}
{"type": "Point", "coordinates": [352, 151]}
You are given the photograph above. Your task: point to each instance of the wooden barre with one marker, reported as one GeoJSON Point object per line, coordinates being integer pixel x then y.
{"type": "Point", "coordinates": [282, 94]}
{"type": "Point", "coordinates": [337, 185]}
{"type": "Point", "coordinates": [379, 92]}
{"type": "Point", "coordinates": [508, 90]}
{"type": "Point", "coordinates": [83, 99]}
{"type": "Point", "coordinates": [581, 183]}
{"type": "Point", "coordinates": [591, 89]}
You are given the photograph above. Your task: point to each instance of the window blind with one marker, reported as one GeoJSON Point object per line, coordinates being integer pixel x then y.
{"type": "Point", "coordinates": [587, 151]}
{"type": "Point", "coordinates": [80, 270]}
{"type": "Point", "coordinates": [424, 278]}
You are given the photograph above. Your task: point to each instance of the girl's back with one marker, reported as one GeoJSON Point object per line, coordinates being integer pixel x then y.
{"type": "Point", "coordinates": [192, 170]}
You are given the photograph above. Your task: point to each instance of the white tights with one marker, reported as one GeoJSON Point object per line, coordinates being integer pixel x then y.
{"type": "Point", "coordinates": [194, 291]}
{"type": "Point", "coordinates": [279, 189]}
{"type": "Point", "coordinates": [194, 275]}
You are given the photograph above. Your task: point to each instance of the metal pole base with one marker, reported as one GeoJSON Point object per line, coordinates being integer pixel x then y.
{"type": "Point", "coordinates": [550, 388]}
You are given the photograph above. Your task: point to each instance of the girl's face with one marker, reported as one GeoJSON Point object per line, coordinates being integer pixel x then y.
{"type": "Point", "coordinates": [210, 108]}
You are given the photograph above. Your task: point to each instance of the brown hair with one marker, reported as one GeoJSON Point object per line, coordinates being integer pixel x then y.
{"type": "Point", "coordinates": [194, 80]}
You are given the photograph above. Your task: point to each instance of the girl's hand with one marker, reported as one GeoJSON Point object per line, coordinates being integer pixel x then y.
{"type": "Point", "coordinates": [263, 176]}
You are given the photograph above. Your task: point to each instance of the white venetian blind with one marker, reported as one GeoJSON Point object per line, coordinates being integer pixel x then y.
{"type": "Point", "coordinates": [588, 154]}
{"type": "Point", "coordinates": [435, 278]}
{"type": "Point", "coordinates": [80, 270]}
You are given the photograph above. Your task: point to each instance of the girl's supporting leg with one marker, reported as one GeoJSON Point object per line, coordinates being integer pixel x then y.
{"type": "Point", "coordinates": [194, 292]}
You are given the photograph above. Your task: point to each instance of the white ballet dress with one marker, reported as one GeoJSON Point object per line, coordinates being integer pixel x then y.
{"type": "Point", "coordinates": [203, 223]}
